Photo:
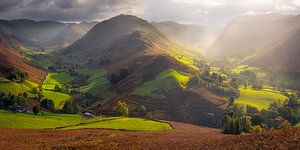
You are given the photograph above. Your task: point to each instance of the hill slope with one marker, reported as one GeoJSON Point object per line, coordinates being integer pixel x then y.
{"type": "Point", "coordinates": [261, 41]}
{"type": "Point", "coordinates": [186, 35]}
{"type": "Point", "coordinates": [10, 60]}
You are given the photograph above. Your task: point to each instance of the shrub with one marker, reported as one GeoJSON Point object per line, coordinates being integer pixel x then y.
{"type": "Point", "coordinates": [122, 109]}
{"type": "Point", "coordinates": [48, 105]}
{"type": "Point", "coordinates": [71, 107]}
{"type": "Point", "coordinates": [35, 110]}
{"type": "Point", "coordinates": [142, 112]}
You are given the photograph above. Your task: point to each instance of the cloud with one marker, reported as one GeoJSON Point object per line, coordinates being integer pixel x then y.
{"type": "Point", "coordinates": [67, 10]}
{"type": "Point", "coordinates": [214, 12]}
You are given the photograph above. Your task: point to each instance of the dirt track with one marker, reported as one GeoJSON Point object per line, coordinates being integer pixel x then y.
{"type": "Point", "coordinates": [184, 136]}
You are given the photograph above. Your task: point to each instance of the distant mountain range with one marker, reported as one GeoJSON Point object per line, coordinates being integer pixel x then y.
{"type": "Point", "coordinates": [43, 34]}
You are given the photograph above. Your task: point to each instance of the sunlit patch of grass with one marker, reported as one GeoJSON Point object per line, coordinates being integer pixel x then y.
{"type": "Point", "coordinates": [259, 73]}
{"type": "Point", "coordinates": [260, 99]}
{"type": "Point", "coordinates": [59, 79]}
{"type": "Point", "coordinates": [136, 124]}
{"type": "Point", "coordinates": [75, 121]}
{"type": "Point", "coordinates": [17, 88]}
{"type": "Point", "coordinates": [48, 86]}
{"type": "Point", "coordinates": [164, 81]}
{"type": "Point", "coordinates": [188, 60]}
{"type": "Point", "coordinates": [98, 83]}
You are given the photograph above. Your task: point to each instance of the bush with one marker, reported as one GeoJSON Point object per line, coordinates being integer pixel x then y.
{"type": "Point", "coordinates": [35, 110]}
{"type": "Point", "coordinates": [122, 109]}
{"type": "Point", "coordinates": [142, 112]}
{"type": "Point", "coordinates": [71, 107]}
{"type": "Point", "coordinates": [48, 105]}
{"type": "Point", "coordinates": [257, 129]}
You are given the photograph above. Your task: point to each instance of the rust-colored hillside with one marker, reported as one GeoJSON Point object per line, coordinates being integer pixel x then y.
{"type": "Point", "coordinates": [11, 59]}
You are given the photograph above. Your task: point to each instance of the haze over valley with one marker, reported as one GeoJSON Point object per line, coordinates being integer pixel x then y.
{"type": "Point", "coordinates": [175, 74]}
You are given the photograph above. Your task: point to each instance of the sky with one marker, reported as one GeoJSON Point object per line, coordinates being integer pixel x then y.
{"type": "Point", "coordinates": [205, 12]}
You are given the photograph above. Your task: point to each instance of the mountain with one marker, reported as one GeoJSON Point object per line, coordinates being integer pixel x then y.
{"type": "Point", "coordinates": [121, 39]}
{"type": "Point", "coordinates": [143, 69]}
{"type": "Point", "coordinates": [11, 60]}
{"type": "Point", "coordinates": [43, 34]}
{"type": "Point", "coordinates": [183, 34]}
{"type": "Point", "coordinates": [267, 41]}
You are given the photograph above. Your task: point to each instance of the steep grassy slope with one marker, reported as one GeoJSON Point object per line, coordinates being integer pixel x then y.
{"type": "Point", "coordinates": [260, 99]}
{"type": "Point", "coordinates": [163, 82]}
{"type": "Point", "coordinates": [98, 83]}
{"type": "Point", "coordinates": [50, 92]}
{"type": "Point", "coordinates": [59, 79]}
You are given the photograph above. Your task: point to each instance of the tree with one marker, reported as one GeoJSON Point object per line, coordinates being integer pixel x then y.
{"type": "Point", "coordinates": [246, 124]}
{"type": "Point", "coordinates": [71, 107]}
{"type": "Point", "coordinates": [48, 105]}
{"type": "Point", "coordinates": [35, 110]}
{"type": "Point", "coordinates": [231, 101]}
{"type": "Point", "coordinates": [57, 88]}
{"type": "Point", "coordinates": [142, 112]}
{"type": "Point", "coordinates": [122, 109]}
{"type": "Point", "coordinates": [231, 122]}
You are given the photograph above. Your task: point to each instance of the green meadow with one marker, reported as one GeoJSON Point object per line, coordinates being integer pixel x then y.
{"type": "Point", "coordinates": [164, 81]}
{"type": "Point", "coordinates": [259, 73]}
{"type": "Point", "coordinates": [97, 83]}
{"type": "Point", "coordinates": [17, 88]}
{"type": "Point", "coordinates": [137, 124]}
{"type": "Point", "coordinates": [75, 121]}
{"type": "Point", "coordinates": [260, 99]}
{"type": "Point", "coordinates": [48, 86]}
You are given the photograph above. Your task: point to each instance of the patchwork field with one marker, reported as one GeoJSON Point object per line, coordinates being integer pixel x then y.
{"type": "Point", "coordinates": [260, 99]}
{"type": "Point", "coordinates": [259, 73]}
{"type": "Point", "coordinates": [49, 84]}
{"type": "Point", "coordinates": [97, 83]}
{"type": "Point", "coordinates": [75, 121]}
{"type": "Point", "coordinates": [14, 88]}
{"type": "Point", "coordinates": [164, 81]}
{"type": "Point", "coordinates": [59, 79]}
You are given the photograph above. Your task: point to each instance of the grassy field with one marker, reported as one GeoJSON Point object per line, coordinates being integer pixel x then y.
{"type": "Point", "coordinates": [17, 88]}
{"type": "Point", "coordinates": [137, 124]}
{"type": "Point", "coordinates": [57, 97]}
{"type": "Point", "coordinates": [259, 73]}
{"type": "Point", "coordinates": [164, 81]}
{"type": "Point", "coordinates": [97, 83]}
{"type": "Point", "coordinates": [260, 99]}
{"type": "Point", "coordinates": [59, 79]}
{"type": "Point", "coordinates": [75, 121]}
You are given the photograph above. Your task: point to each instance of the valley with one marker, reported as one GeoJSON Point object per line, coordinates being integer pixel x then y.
{"type": "Point", "coordinates": [128, 83]}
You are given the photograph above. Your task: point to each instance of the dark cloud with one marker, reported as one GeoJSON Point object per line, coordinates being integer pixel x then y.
{"type": "Point", "coordinates": [66, 10]}
{"type": "Point", "coordinates": [213, 12]}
